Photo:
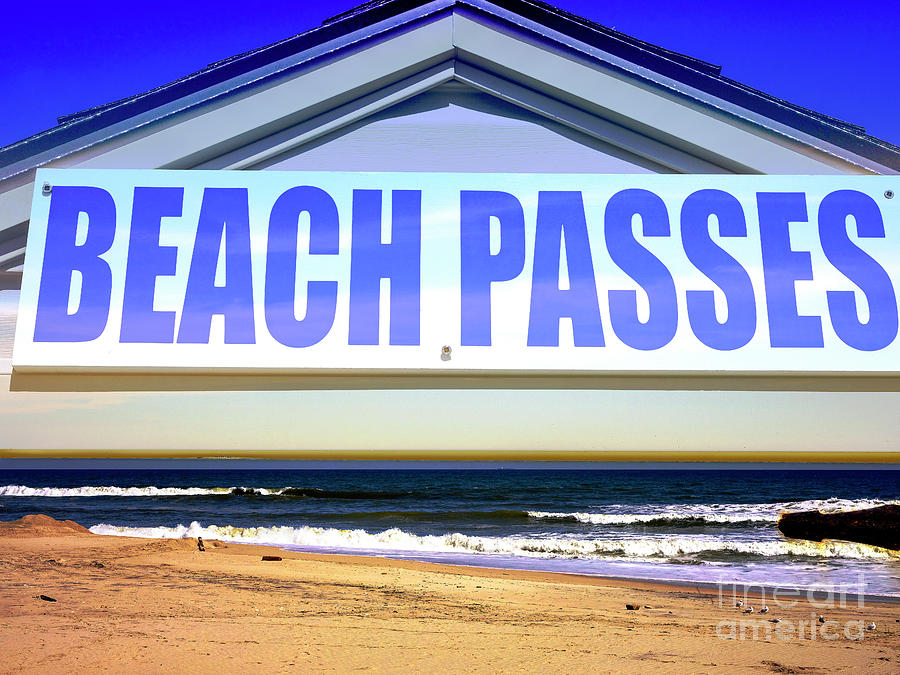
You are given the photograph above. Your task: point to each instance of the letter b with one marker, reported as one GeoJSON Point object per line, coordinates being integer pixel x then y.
{"type": "Point", "coordinates": [63, 256]}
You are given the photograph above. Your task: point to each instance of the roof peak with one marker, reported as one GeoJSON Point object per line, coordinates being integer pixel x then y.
{"type": "Point", "coordinates": [540, 10]}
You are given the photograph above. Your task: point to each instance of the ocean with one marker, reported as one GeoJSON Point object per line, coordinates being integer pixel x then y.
{"type": "Point", "coordinates": [714, 526]}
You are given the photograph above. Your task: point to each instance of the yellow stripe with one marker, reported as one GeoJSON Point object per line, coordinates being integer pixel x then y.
{"type": "Point", "coordinates": [879, 457]}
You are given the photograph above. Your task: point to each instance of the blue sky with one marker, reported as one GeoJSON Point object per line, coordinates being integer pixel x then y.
{"type": "Point", "coordinates": [57, 58]}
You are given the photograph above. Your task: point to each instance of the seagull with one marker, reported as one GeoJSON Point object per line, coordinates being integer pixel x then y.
{"type": "Point", "coordinates": [764, 610]}
{"type": "Point", "coordinates": [749, 610]}
{"type": "Point", "coordinates": [871, 626]}
{"type": "Point", "coordinates": [774, 620]}
{"type": "Point", "coordinates": [739, 603]}
{"type": "Point", "coordinates": [821, 619]}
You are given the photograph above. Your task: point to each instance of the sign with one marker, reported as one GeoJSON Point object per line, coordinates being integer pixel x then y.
{"type": "Point", "coordinates": [156, 277]}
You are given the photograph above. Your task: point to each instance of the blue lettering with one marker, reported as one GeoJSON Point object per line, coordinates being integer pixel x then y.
{"type": "Point", "coordinates": [371, 261]}
{"type": "Point", "coordinates": [223, 212]}
{"type": "Point", "coordinates": [782, 267]}
{"type": "Point", "coordinates": [561, 222]}
{"type": "Point", "coordinates": [854, 263]}
{"type": "Point", "coordinates": [723, 270]}
{"type": "Point", "coordinates": [642, 266]}
{"type": "Point", "coordinates": [281, 266]}
{"type": "Point", "coordinates": [479, 268]}
{"type": "Point", "coordinates": [62, 257]}
{"type": "Point", "coordinates": [146, 261]}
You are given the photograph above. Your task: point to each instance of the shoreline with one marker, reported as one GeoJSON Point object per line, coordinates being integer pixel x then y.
{"type": "Point", "coordinates": [160, 605]}
{"type": "Point", "coordinates": [638, 583]}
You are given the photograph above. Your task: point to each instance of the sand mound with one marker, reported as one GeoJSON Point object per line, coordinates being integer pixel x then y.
{"type": "Point", "coordinates": [42, 526]}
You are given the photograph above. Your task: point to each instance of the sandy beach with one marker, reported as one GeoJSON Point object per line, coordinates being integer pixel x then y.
{"type": "Point", "coordinates": [163, 606]}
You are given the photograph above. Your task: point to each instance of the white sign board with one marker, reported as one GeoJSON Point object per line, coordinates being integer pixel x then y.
{"type": "Point", "coordinates": [158, 278]}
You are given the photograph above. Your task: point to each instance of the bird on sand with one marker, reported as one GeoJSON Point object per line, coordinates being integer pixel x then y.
{"type": "Point", "coordinates": [764, 610]}
{"type": "Point", "coordinates": [739, 603]}
{"type": "Point", "coordinates": [821, 619]}
{"type": "Point", "coordinates": [871, 626]}
{"type": "Point", "coordinates": [774, 620]}
{"type": "Point", "coordinates": [749, 610]}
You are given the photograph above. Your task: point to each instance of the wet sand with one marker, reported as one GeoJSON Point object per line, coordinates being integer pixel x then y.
{"type": "Point", "coordinates": [145, 606]}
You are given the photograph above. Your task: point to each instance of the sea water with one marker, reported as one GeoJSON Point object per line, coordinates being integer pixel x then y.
{"type": "Point", "coordinates": [714, 526]}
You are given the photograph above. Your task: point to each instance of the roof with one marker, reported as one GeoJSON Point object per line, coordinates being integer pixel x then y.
{"type": "Point", "coordinates": [692, 73]}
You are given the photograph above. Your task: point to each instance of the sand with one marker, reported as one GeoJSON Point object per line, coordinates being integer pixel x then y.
{"type": "Point", "coordinates": [145, 606]}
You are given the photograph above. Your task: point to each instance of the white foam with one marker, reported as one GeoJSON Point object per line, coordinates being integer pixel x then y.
{"type": "Point", "coordinates": [113, 491]}
{"type": "Point", "coordinates": [397, 540]}
{"type": "Point", "coordinates": [834, 504]}
{"type": "Point", "coordinates": [608, 514]}
{"type": "Point", "coordinates": [623, 514]}
{"type": "Point", "coordinates": [628, 518]}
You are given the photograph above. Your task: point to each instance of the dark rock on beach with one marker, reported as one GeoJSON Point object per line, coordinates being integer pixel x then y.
{"type": "Point", "coordinates": [877, 527]}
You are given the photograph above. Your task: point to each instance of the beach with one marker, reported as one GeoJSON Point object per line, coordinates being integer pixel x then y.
{"type": "Point", "coordinates": [151, 605]}
{"type": "Point", "coordinates": [677, 525]}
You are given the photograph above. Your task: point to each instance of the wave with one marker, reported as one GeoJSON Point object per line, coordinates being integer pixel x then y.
{"type": "Point", "coordinates": [609, 514]}
{"type": "Point", "coordinates": [152, 491]}
{"type": "Point", "coordinates": [318, 493]}
{"type": "Point", "coordinates": [107, 491]}
{"type": "Point", "coordinates": [698, 515]}
{"type": "Point", "coordinates": [834, 504]}
{"type": "Point", "coordinates": [496, 516]}
{"type": "Point", "coordinates": [396, 540]}
{"type": "Point", "coordinates": [649, 519]}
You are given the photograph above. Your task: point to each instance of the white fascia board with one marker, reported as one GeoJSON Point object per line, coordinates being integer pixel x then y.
{"type": "Point", "coordinates": [201, 129]}
{"type": "Point", "coordinates": [15, 204]}
{"type": "Point", "coordinates": [265, 149]}
{"type": "Point", "coordinates": [584, 122]}
{"type": "Point", "coordinates": [668, 112]}
{"type": "Point", "coordinates": [268, 149]}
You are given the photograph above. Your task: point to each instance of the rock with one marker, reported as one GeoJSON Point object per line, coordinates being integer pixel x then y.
{"type": "Point", "coordinates": [877, 527]}
{"type": "Point", "coordinates": [272, 557]}
{"type": "Point", "coordinates": [633, 607]}
{"type": "Point", "coordinates": [47, 598]}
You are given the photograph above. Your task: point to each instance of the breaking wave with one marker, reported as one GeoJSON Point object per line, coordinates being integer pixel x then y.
{"type": "Point", "coordinates": [687, 515]}
{"type": "Point", "coordinates": [396, 540]}
{"type": "Point", "coordinates": [651, 519]}
{"type": "Point", "coordinates": [151, 491]}
{"type": "Point", "coordinates": [609, 514]}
